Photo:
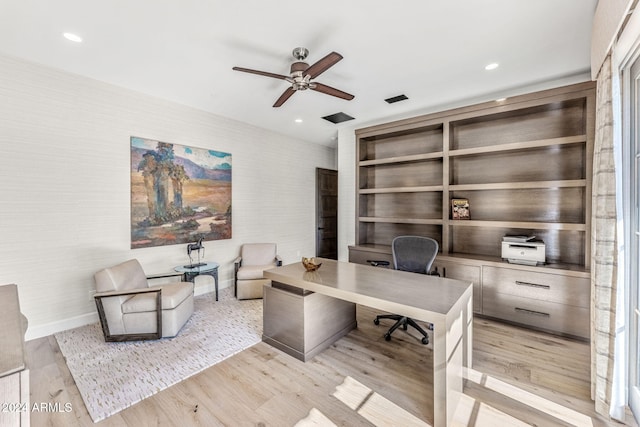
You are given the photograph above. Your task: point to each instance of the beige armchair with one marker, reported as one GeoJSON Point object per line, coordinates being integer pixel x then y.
{"type": "Point", "coordinates": [253, 260]}
{"type": "Point", "coordinates": [130, 309]}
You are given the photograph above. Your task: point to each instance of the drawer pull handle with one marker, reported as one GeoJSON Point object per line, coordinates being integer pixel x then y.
{"type": "Point", "coordinates": [532, 285]}
{"type": "Point", "coordinates": [536, 313]}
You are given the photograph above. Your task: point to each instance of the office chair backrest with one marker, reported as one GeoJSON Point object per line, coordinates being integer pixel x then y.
{"type": "Point", "coordinates": [414, 253]}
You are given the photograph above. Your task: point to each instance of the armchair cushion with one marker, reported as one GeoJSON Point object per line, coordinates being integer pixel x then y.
{"type": "Point", "coordinates": [250, 272]}
{"type": "Point", "coordinates": [172, 296]}
{"type": "Point", "coordinates": [123, 277]}
{"type": "Point", "coordinates": [258, 254]}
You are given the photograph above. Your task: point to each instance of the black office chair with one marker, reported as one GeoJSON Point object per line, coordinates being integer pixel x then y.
{"type": "Point", "coordinates": [414, 254]}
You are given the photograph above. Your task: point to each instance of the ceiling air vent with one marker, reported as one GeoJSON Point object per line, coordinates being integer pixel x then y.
{"type": "Point", "coordinates": [338, 118]}
{"type": "Point", "coordinates": [396, 99]}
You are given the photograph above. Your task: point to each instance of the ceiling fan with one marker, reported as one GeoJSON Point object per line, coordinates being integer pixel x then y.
{"type": "Point", "coordinates": [301, 75]}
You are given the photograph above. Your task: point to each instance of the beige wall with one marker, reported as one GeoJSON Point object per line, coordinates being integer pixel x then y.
{"type": "Point", "coordinates": [64, 187]}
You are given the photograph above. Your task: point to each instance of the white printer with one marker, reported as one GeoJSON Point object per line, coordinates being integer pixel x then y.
{"type": "Point", "coordinates": [523, 250]}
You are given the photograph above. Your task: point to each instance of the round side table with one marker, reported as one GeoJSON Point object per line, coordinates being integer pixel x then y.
{"type": "Point", "coordinates": [190, 273]}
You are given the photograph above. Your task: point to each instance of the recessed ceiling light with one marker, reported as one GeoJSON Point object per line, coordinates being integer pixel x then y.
{"type": "Point", "coordinates": [73, 37]}
{"type": "Point", "coordinates": [298, 120]}
{"type": "Point", "coordinates": [492, 66]}
{"type": "Point", "coordinates": [501, 99]}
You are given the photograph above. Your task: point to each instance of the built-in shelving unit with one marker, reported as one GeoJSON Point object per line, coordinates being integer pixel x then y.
{"type": "Point", "coordinates": [524, 164]}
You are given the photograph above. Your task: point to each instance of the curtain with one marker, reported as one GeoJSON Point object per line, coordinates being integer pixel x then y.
{"type": "Point", "coordinates": [603, 247]}
{"type": "Point", "coordinates": [619, 395]}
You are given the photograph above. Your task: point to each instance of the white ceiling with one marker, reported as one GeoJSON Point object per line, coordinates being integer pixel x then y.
{"type": "Point", "coordinates": [433, 51]}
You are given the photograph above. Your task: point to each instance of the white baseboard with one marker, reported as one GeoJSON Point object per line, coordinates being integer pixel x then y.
{"type": "Point", "coordinates": [210, 287]}
{"type": "Point", "coordinates": [39, 331]}
{"type": "Point", "coordinates": [51, 328]}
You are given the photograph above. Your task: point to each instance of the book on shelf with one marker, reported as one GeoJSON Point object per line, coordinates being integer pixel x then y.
{"type": "Point", "coordinates": [518, 238]}
{"type": "Point", "coordinates": [460, 209]}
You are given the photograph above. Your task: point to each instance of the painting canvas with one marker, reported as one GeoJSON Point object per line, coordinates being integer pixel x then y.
{"type": "Point", "coordinates": [179, 194]}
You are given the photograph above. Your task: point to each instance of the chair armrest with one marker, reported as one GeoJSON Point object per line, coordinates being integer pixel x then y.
{"type": "Point", "coordinates": [100, 295]}
{"type": "Point", "coordinates": [164, 275]}
{"type": "Point", "coordinates": [278, 260]}
{"type": "Point", "coordinates": [125, 337]}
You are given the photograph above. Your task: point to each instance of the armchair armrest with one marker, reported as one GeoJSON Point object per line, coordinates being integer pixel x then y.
{"type": "Point", "coordinates": [125, 337]}
{"type": "Point", "coordinates": [164, 275]}
{"type": "Point", "coordinates": [100, 295]}
{"type": "Point", "coordinates": [278, 261]}
{"type": "Point", "coordinates": [236, 263]}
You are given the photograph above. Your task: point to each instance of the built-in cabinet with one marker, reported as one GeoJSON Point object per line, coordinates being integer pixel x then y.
{"type": "Point", "coordinates": [524, 164]}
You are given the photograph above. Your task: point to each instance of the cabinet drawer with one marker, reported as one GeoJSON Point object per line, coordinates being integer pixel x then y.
{"type": "Point", "coordinates": [540, 314]}
{"type": "Point", "coordinates": [467, 273]}
{"type": "Point", "coordinates": [574, 291]}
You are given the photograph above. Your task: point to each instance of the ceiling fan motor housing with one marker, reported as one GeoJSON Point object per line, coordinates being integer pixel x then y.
{"type": "Point", "coordinates": [298, 80]}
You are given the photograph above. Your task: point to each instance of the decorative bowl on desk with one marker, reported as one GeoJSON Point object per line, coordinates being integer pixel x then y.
{"type": "Point", "coordinates": [310, 264]}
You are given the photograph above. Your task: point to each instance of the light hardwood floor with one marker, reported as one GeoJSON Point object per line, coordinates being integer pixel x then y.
{"type": "Point", "coordinates": [519, 377]}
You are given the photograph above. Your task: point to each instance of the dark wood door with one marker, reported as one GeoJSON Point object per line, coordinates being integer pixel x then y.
{"type": "Point", "coordinates": [327, 213]}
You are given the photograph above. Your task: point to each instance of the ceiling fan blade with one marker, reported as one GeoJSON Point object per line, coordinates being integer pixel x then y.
{"type": "Point", "coordinates": [319, 87]}
{"type": "Point", "coordinates": [261, 73]}
{"type": "Point", "coordinates": [285, 95]}
{"type": "Point", "coordinates": [323, 65]}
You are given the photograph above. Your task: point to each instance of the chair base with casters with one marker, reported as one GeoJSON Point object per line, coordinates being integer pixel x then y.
{"type": "Point", "coordinates": [403, 321]}
{"type": "Point", "coordinates": [414, 254]}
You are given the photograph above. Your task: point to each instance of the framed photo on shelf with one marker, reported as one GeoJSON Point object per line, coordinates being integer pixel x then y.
{"type": "Point", "coordinates": [460, 209]}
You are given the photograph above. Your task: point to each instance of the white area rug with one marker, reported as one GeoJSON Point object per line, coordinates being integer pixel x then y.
{"type": "Point", "coordinates": [114, 376]}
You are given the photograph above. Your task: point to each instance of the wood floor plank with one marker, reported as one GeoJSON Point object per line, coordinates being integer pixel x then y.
{"type": "Point", "coordinates": [265, 387]}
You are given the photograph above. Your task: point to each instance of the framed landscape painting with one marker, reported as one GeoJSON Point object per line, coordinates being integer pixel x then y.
{"type": "Point", "coordinates": [179, 194]}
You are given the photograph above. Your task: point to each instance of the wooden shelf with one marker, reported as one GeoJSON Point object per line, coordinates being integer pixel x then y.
{"type": "Point", "coordinates": [517, 146]}
{"type": "Point", "coordinates": [421, 189]}
{"type": "Point", "coordinates": [516, 224]}
{"type": "Point", "coordinates": [401, 220]}
{"type": "Point", "coordinates": [524, 164]}
{"type": "Point", "coordinates": [574, 270]}
{"type": "Point", "coordinates": [402, 159]}
{"type": "Point", "coordinates": [570, 183]}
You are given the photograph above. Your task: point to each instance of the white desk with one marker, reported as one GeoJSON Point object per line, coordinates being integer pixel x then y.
{"type": "Point", "coordinates": [445, 303]}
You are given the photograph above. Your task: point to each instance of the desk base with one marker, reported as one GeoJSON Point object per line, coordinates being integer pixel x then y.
{"type": "Point", "coordinates": [303, 324]}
